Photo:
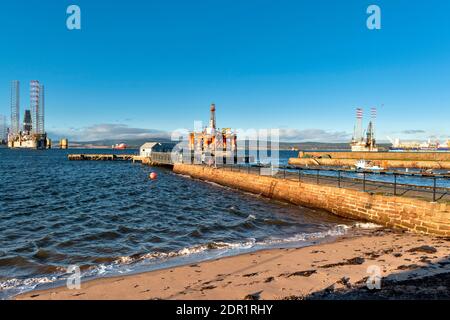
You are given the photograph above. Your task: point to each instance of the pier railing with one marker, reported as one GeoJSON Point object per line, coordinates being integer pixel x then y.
{"type": "Point", "coordinates": [433, 187]}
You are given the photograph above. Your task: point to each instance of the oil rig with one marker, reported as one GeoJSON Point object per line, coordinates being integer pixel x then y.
{"type": "Point", "coordinates": [31, 134]}
{"type": "Point", "coordinates": [364, 141]}
{"type": "Point", "coordinates": [3, 130]}
{"type": "Point", "coordinates": [212, 141]}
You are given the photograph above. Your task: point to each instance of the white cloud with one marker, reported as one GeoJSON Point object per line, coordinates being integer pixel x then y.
{"type": "Point", "coordinates": [313, 135]}
{"type": "Point", "coordinates": [124, 132]}
{"type": "Point", "coordinates": [413, 131]}
{"type": "Point", "coordinates": [109, 131]}
{"type": "Point", "coordinates": [418, 135]}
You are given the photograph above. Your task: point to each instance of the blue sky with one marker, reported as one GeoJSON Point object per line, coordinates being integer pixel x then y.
{"type": "Point", "coordinates": [302, 66]}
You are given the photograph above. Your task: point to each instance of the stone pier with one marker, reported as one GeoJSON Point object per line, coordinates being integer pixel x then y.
{"type": "Point", "coordinates": [392, 211]}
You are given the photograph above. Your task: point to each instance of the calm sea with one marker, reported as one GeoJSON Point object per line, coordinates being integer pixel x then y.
{"type": "Point", "coordinates": [108, 218]}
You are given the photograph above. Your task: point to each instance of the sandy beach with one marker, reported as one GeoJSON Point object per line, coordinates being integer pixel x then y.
{"type": "Point", "coordinates": [411, 266]}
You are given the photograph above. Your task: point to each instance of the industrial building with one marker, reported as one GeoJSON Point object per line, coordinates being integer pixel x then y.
{"type": "Point", "coordinates": [148, 148]}
{"type": "Point", "coordinates": [32, 133]}
{"type": "Point", "coordinates": [431, 145]}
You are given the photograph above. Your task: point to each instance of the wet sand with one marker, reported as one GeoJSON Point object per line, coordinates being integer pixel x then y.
{"type": "Point", "coordinates": [411, 265]}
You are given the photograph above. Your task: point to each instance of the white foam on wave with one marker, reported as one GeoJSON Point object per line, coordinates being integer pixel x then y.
{"type": "Point", "coordinates": [338, 230]}
{"type": "Point", "coordinates": [123, 265]}
{"type": "Point", "coordinates": [190, 251]}
{"type": "Point", "coordinates": [367, 225]}
{"type": "Point", "coordinates": [25, 284]}
{"type": "Point", "coordinates": [215, 184]}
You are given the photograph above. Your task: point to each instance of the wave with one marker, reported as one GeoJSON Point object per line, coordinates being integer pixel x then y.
{"type": "Point", "coordinates": [125, 264]}
{"type": "Point", "coordinates": [22, 285]}
{"type": "Point", "coordinates": [367, 225]}
{"type": "Point", "coordinates": [336, 231]}
{"type": "Point", "coordinates": [249, 243]}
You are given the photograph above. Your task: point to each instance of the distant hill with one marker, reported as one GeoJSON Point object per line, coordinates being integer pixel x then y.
{"type": "Point", "coordinates": [136, 143]}
{"type": "Point", "coordinates": [314, 146]}
{"type": "Point", "coordinates": [322, 146]}
{"type": "Point", "coordinates": [132, 144]}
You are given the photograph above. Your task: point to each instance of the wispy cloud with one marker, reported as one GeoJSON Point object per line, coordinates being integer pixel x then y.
{"type": "Point", "coordinates": [108, 131]}
{"type": "Point", "coordinates": [313, 135]}
{"type": "Point", "coordinates": [414, 131]}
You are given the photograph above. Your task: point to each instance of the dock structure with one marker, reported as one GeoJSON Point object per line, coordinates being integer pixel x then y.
{"type": "Point", "coordinates": [163, 159]}
{"type": "Point", "coordinates": [103, 157]}
{"type": "Point", "coordinates": [157, 158]}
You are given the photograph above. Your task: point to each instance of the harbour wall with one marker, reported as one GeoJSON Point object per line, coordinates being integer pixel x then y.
{"type": "Point", "coordinates": [391, 211]}
{"type": "Point", "coordinates": [381, 163]}
{"type": "Point", "coordinates": [402, 156]}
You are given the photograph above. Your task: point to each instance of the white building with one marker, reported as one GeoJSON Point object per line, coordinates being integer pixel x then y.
{"type": "Point", "coordinates": [147, 148]}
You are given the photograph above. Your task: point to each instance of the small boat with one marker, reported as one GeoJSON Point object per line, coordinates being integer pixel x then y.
{"type": "Point", "coordinates": [364, 165]}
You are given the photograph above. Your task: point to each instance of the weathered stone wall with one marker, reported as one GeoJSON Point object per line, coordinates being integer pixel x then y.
{"type": "Point", "coordinates": [380, 163]}
{"type": "Point", "coordinates": [400, 212]}
{"type": "Point", "coordinates": [408, 156]}
{"type": "Point", "coordinates": [149, 162]}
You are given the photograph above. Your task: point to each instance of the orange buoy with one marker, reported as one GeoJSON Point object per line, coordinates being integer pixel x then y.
{"type": "Point", "coordinates": [153, 176]}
